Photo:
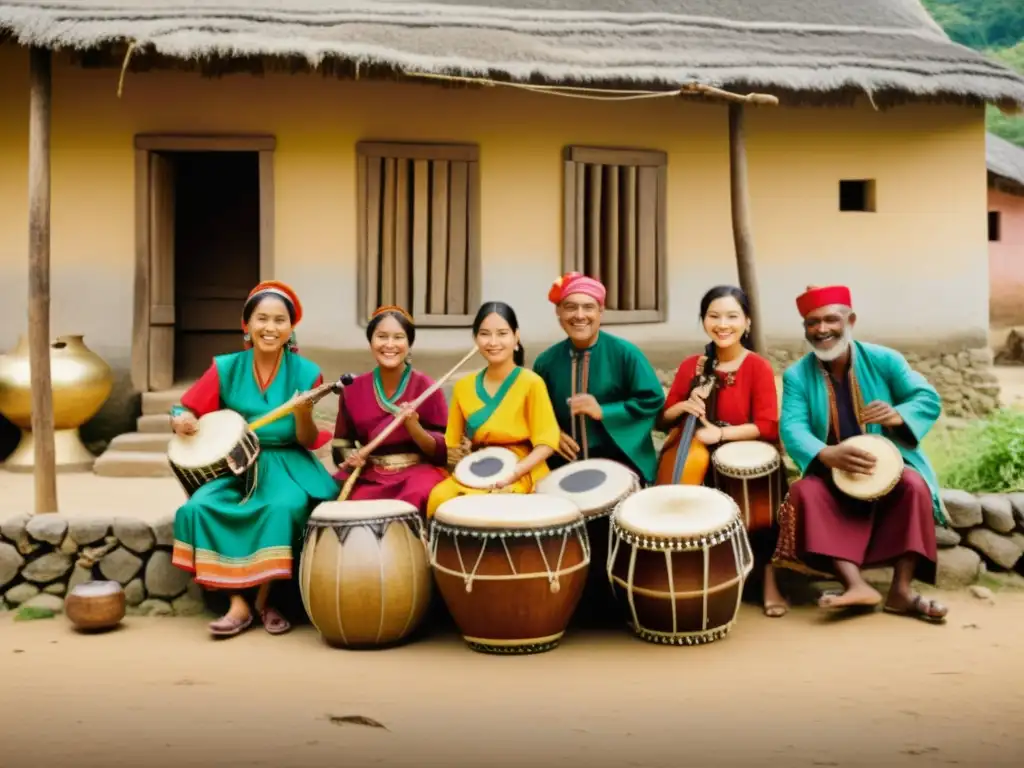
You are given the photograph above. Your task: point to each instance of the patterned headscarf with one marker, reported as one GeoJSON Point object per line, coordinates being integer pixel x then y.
{"type": "Point", "coordinates": [574, 282]}
{"type": "Point", "coordinates": [278, 290]}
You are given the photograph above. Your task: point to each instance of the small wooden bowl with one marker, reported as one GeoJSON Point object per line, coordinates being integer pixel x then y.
{"type": "Point", "coordinates": [95, 605]}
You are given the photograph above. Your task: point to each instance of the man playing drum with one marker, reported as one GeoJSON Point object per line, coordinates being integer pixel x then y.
{"type": "Point", "coordinates": [605, 393]}
{"type": "Point", "coordinates": [846, 388]}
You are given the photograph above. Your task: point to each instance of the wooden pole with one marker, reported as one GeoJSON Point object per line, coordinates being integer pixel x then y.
{"type": "Point", "coordinates": [742, 237]}
{"type": "Point", "coordinates": [40, 82]}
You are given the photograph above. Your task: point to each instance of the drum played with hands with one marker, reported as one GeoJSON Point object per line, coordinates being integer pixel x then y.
{"type": "Point", "coordinates": [751, 472]}
{"type": "Point", "coordinates": [364, 575]}
{"type": "Point", "coordinates": [596, 486]}
{"type": "Point", "coordinates": [679, 558]}
{"type": "Point", "coordinates": [485, 467]}
{"type": "Point", "coordinates": [222, 446]}
{"type": "Point", "coordinates": [888, 470]}
{"type": "Point", "coordinates": [510, 568]}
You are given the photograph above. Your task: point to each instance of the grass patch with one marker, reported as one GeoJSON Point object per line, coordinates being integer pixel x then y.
{"type": "Point", "coordinates": [985, 456]}
{"type": "Point", "coordinates": [31, 613]}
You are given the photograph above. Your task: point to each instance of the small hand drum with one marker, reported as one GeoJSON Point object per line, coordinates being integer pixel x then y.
{"type": "Point", "coordinates": [95, 605]}
{"type": "Point", "coordinates": [888, 469]}
{"type": "Point", "coordinates": [483, 468]}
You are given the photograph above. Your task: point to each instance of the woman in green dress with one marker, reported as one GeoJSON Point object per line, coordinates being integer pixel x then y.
{"type": "Point", "coordinates": [228, 541]}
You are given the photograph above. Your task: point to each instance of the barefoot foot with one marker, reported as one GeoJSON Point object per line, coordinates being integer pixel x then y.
{"type": "Point", "coordinates": [857, 596]}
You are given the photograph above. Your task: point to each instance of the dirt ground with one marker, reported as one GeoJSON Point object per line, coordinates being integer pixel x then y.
{"type": "Point", "coordinates": [870, 690]}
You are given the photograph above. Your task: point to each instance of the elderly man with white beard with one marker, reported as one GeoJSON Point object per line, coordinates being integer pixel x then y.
{"type": "Point", "coordinates": [843, 388]}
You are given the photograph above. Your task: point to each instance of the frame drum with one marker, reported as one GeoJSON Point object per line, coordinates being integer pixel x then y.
{"type": "Point", "coordinates": [364, 576]}
{"type": "Point", "coordinates": [510, 568]}
{"type": "Point", "coordinates": [680, 556]}
{"type": "Point", "coordinates": [888, 469]}
{"type": "Point", "coordinates": [751, 472]}
{"type": "Point", "coordinates": [222, 446]}
{"type": "Point", "coordinates": [483, 468]}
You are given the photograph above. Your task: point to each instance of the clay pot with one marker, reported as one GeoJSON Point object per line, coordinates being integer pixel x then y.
{"type": "Point", "coordinates": [81, 382]}
{"type": "Point", "coordinates": [95, 605]}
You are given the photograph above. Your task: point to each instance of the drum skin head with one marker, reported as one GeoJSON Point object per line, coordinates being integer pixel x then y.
{"type": "Point", "coordinates": [507, 511]}
{"type": "Point", "coordinates": [218, 433]}
{"type": "Point", "coordinates": [484, 468]}
{"type": "Point", "coordinates": [355, 511]}
{"type": "Point", "coordinates": [592, 484]}
{"type": "Point", "coordinates": [676, 511]}
{"type": "Point", "coordinates": [746, 456]}
{"type": "Point", "coordinates": [888, 469]}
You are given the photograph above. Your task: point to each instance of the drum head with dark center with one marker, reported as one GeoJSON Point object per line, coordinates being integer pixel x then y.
{"type": "Point", "coordinates": [594, 485]}
{"type": "Point", "coordinates": [484, 468]}
{"type": "Point", "coordinates": [583, 481]}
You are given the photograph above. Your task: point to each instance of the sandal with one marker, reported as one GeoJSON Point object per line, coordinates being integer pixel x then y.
{"type": "Point", "coordinates": [921, 608]}
{"type": "Point", "coordinates": [274, 622]}
{"type": "Point", "coordinates": [229, 626]}
{"type": "Point", "coordinates": [775, 610]}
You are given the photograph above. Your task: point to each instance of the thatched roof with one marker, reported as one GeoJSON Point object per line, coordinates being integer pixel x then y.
{"type": "Point", "coordinates": [1005, 163]}
{"type": "Point", "coordinates": [795, 45]}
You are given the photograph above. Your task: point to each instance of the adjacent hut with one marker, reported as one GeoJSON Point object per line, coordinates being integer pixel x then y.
{"type": "Point", "coordinates": [439, 154]}
{"type": "Point", "coordinates": [1005, 233]}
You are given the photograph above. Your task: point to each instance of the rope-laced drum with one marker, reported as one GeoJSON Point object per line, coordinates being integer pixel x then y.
{"type": "Point", "coordinates": [751, 472]}
{"type": "Point", "coordinates": [887, 473]}
{"type": "Point", "coordinates": [485, 467]}
{"type": "Point", "coordinates": [222, 446]}
{"type": "Point", "coordinates": [364, 576]}
{"type": "Point", "coordinates": [679, 558]}
{"type": "Point", "coordinates": [510, 568]}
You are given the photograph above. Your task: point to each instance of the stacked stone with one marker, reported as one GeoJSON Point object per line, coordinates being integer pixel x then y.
{"type": "Point", "coordinates": [43, 557]}
{"type": "Point", "coordinates": [987, 536]}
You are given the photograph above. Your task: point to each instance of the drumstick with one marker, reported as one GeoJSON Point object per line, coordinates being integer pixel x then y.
{"type": "Point", "coordinates": [369, 448]}
{"type": "Point", "coordinates": [314, 394]}
{"type": "Point", "coordinates": [346, 489]}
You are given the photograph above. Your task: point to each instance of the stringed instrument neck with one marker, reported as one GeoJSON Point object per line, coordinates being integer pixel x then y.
{"type": "Point", "coordinates": [314, 396]}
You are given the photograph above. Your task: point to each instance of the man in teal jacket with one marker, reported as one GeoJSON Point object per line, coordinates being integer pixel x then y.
{"type": "Point", "coordinates": [841, 389]}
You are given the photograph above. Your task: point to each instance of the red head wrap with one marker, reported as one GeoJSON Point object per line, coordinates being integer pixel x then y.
{"type": "Point", "coordinates": [574, 282]}
{"type": "Point", "coordinates": [816, 297]}
{"type": "Point", "coordinates": [284, 291]}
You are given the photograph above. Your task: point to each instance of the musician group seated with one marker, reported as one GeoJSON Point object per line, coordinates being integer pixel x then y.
{"type": "Point", "coordinates": [844, 388]}
{"type": "Point", "coordinates": [410, 461]}
{"type": "Point", "coordinates": [504, 405]}
{"type": "Point", "coordinates": [730, 391]}
{"type": "Point", "coordinates": [230, 540]}
{"type": "Point", "coordinates": [605, 393]}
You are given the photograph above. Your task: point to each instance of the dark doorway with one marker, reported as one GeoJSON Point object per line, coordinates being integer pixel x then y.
{"type": "Point", "coordinates": [216, 253]}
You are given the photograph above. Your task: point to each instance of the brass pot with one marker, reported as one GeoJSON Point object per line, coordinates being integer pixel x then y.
{"type": "Point", "coordinates": [81, 382]}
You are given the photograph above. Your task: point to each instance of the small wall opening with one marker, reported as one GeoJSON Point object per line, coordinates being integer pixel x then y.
{"type": "Point", "coordinates": [994, 226]}
{"type": "Point", "coordinates": [857, 195]}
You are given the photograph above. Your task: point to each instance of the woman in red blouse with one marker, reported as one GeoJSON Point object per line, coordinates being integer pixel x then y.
{"type": "Point", "coordinates": [744, 404]}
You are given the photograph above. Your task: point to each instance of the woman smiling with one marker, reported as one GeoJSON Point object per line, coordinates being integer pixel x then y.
{"type": "Point", "coordinates": [408, 463]}
{"type": "Point", "coordinates": [502, 405]}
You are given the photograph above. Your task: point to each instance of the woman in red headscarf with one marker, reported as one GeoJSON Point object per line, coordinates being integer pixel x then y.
{"type": "Point", "coordinates": [233, 537]}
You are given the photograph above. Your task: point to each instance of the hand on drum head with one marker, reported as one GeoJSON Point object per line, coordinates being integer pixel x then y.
{"type": "Point", "coordinates": [504, 486]}
{"type": "Point", "coordinates": [847, 458]}
{"type": "Point", "coordinates": [878, 412]}
{"type": "Point", "coordinates": [568, 448]}
{"type": "Point", "coordinates": [185, 424]}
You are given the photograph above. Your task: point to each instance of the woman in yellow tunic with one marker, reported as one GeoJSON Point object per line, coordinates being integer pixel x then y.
{"type": "Point", "coordinates": [503, 405]}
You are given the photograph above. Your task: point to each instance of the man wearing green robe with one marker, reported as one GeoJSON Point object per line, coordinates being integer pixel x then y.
{"type": "Point", "coordinates": [841, 389]}
{"type": "Point", "coordinates": [605, 393]}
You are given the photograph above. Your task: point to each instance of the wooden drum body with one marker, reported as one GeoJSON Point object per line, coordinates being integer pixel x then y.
{"type": "Point", "coordinates": [751, 472]}
{"type": "Point", "coordinates": [223, 446]}
{"type": "Point", "coordinates": [679, 558]}
{"type": "Point", "coordinates": [364, 575]}
{"type": "Point", "coordinates": [510, 568]}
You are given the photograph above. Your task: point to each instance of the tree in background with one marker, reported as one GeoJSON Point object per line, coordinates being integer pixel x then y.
{"type": "Point", "coordinates": [995, 28]}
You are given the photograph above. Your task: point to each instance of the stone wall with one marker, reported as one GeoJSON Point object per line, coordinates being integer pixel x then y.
{"type": "Point", "coordinates": [986, 537]}
{"type": "Point", "coordinates": [43, 557]}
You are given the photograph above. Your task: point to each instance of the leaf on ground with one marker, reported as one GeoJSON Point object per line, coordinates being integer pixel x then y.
{"type": "Point", "coordinates": [30, 613]}
{"type": "Point", "coordinates": [355, 720]}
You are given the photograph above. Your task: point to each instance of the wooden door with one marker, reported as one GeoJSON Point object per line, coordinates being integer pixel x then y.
{"type": "Point", "coordinates": [161, 270]}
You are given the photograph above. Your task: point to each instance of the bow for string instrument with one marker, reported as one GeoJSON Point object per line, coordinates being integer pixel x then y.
{"type": "Point", "coordinates": [684, 459]}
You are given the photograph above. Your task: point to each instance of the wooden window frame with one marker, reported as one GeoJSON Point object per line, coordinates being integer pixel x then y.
{"type": "Point", "coordinates": [419, 152]}
{"type": "Point", "coordinates": [575, 162]}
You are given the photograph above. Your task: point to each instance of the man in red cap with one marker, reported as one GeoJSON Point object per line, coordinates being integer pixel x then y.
{"type": "Point", "coordinates": [843, 388]}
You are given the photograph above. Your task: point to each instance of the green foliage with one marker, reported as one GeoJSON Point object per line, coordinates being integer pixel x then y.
{"type": "Point", "coordinates": [995, 28]}
{"type": "Point", "coordinates": [986, 456]}
{"type": "Point", "coordinates": [31, 613]}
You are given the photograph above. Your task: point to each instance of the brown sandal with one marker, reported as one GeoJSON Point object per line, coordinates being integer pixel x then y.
{"type": "Point", "coordinates": [229, 626]}
{"type": "Point", "coordinates": [274, 622]}
{"type": "Point", "coordinates": [921, 608]}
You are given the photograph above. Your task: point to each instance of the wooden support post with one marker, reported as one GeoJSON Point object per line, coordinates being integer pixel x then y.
{"type": "Point", "coordinates": [742, 237]}
{"type": "Point", "coordinates": [40, 82]}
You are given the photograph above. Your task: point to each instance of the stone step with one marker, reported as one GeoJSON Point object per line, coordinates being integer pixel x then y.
{"type": "Point", "coordinates": [132, 464]}
{"type": "Point", "coordinates": [160, 402]}
{"type": "Point", "coordinates": [144, 442]}
{"type": "Point", "coordinates": [154, 423]}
